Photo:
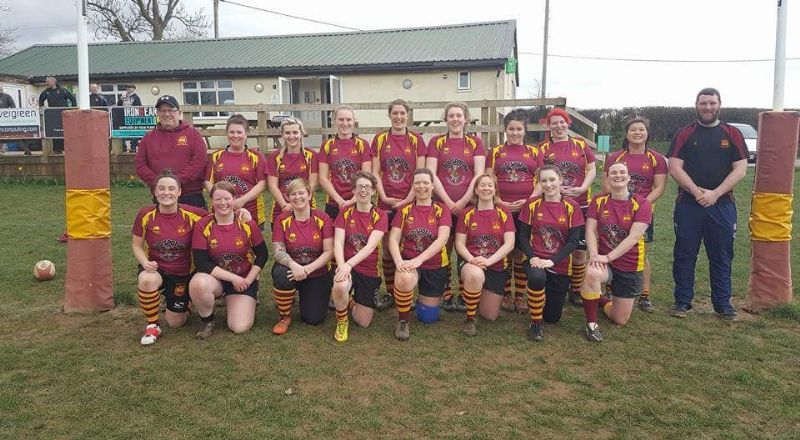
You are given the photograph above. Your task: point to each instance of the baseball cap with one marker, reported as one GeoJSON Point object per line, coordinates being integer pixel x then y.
{"type": "Point", "coordinates": [167, 99]}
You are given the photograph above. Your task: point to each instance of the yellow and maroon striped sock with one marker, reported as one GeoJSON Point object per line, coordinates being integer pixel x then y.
{"type": "Point", "coordinates": [536, 301]}
{"type": "Point", "coordinates": [149, 302]}
{"type": "Point", "coordinates": [403, 302]}
{"type": "Point", "coordinates": [283, 300]}
{"type": "Point", "coordinates": [471, 299]}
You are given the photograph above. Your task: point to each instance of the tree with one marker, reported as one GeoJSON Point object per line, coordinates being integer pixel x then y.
{"type": "Point", "coordinates": [7, 35]}
{"type": "Point", "coordinates": [137, 20]}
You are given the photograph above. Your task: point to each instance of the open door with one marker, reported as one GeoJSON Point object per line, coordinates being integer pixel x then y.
{"type": "Point", "coordinates": [285, 92]}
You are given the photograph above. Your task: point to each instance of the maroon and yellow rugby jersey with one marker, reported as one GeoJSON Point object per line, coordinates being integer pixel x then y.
{"type": "Point", "coordinates": [550, 224]}
{"type": "Point", "coordinates": [614, 221]}
{"type": "Point", "coordinates": [515, 167]}
{"type": "Point", "coordinates": [286, 167]}
{"type": "Point", "coordinates": [357, 227]}
{"type": "Point", "coordinates": [344, 157]}
{"type": "Point", "coordinates": [397, 155]}
{"type": "Point", "coordinates": [420, 227]}
{"type": "Point", "coordinates": [229, 246]}
{"type": "Point", "coordinates": [641, 167]}
{"type": "Point", "coordinates": [168, 237]}
{"type": "Point", "coordinates": [244, 170]}
{"type": "Point", "coordinates": [455, 167]}
{"type": "Point", "coordinates": [484, 230]}
{"type": "Point", "coordinates": [303, 239]}
{"type": "Point", "coordinates": [571, 157]}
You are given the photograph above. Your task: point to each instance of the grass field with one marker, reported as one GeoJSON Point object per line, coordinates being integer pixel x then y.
{"type": "Point", "coordinates": [81, 377]}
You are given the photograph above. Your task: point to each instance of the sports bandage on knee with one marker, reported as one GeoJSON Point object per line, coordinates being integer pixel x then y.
{"type": "Point", "coordinates": [427, 314]}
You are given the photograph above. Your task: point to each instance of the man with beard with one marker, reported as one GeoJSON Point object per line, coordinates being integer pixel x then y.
{"type": "Point", "coordinates": [707, 159]}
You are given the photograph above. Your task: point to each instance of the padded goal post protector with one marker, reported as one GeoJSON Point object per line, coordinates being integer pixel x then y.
{"type": "Point", "coordinates": [771, 212]}
{"type": "Point", "coordinates": [89, 283]}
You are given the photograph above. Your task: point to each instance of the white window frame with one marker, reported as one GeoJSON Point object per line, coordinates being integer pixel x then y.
{"type": "Point", "coordinates": [469, 81]}
{"type": "Point", "coordinates": [199, 89]}
{"type": "Point", "coordinates": [118, 90]}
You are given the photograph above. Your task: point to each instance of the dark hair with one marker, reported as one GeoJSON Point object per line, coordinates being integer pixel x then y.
{"type": "Point", "coordinates": [519, 115]}
{"type": "Point", "coordinates": [169, 174]}
{"type": "Point", "coordinates": [237, 119]}
{"type": "Point", "coordinates": [361, 174]}
{"type": "Point", "coordinates": [710, 91]}
{"type": "Point", "coordinates": [399, 102]}
{"type": "Point", "coordinates": [631, 121]}
{"type": "Point", "coordinates": [424, 171]}
{"type": "Point", "coordinates": [549, 167]}
{"type": "Point", "coordinates": [224, 185]}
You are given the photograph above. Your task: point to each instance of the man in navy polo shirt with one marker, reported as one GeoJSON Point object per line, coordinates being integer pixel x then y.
{"type": "Point", "coordinates": [707, 159]}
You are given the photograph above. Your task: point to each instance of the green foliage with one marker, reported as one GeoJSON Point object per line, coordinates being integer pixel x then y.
{"type": "Point", "coordinates": [789, 312]}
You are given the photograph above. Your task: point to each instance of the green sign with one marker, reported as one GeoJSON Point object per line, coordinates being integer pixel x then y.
{"type": "Point", "coordinates": [602, 143]}
{"type": "Point", "coordinates": [511, 65]}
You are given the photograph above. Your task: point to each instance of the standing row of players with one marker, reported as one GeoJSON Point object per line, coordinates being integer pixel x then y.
{"type": "Point", "coordinates": [449, 193]}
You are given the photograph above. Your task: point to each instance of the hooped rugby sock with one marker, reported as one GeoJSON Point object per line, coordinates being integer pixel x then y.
{"type": "Point", "coordinates": [283, 301]}
{"type": "Point", "coordinates": [388, 274]}
{"type": "Point", "coordinates": [471, 299]}
{"type": "Point", "coordinates": [150, 302]}
{"type": "Point", "coordinates": [536, 301]}
{"type": "Point", "coordinates": [403, 302]}
{"type": "Point", "coordinates": [576, 277]}
{"type": "Point", "coordinates": [341, 315]}
{"type": "Point", "coordinates": [520, 278]}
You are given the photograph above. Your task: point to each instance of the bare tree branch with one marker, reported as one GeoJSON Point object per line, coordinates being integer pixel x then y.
{"type": "Point", "coordinates": [136, 20]}
{"type": "Point", "coordinates": [8, 35]}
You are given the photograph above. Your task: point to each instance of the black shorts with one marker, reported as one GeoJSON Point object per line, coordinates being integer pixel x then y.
{"type": "Point", "coordinates": [648, 235]}
{"type": "Point", "coordinates": [365, 289]}
{"type": "Point", "coordinates": [432, 282]}
{"type": "Point", "coordinates": [175, 290]}
{"type": "Point", "coordinates": [332, 211]}
{"type": "Point", "coordinates": [251, 291]}
{"type": "Point", "coordinates": [582, 238]}
{"type": "Point", "coordinates": [494, 280]}
{"type": "Point", "coordinates": [625, 284]}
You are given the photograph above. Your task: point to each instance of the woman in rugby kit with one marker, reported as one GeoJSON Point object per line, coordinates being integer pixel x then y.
{"type": "Point", "coordinates": [417, 242]}
{"type": "Point", "coordinates": [396, 153]}
{"type": "Point", "coordinates": [550, 227]}
{"type": "Point", "coordinates": [339, 158]}
{"type": "Point", "coordinates": [484, 238]}
{"type": "Point", "coordinates": [242, 166]}
{"type": "Point", "coordinates": [290, 162]}
{"type": "Point", "coordinates": [359, 230]}
{"type": "Point", "coordinates": [302, 239]}
{"type": "Point", "coordinates": [615, 228]}
{"type": "Point", "coordinates": [515, 163]}
{"type": "Point", "coordinates": [456, 160]}
{"type": "Point", "coordinates": [648, 173]}
{"type": "Point", "coordinates": [162, 245]}
{"type": "Point", "coordinates": [228, 254]}
{"type": "Point", "coordinates": [577, 163]}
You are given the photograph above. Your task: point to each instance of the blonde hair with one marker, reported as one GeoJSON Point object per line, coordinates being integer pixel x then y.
{"type": "Point", "coordinates": [293, 121]}
{"type": "Point", "coordinates": [341, 108]}
{"type": "Point", "coordinates": [296, 184]}
{"type": "Point", "coordinates": [488, 174]}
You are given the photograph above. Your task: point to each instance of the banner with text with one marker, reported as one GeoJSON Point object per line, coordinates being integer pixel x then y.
{"type": "Point", "coordinates": [132, 122]}
{"type": "Point", "coordinates": [19, 123]}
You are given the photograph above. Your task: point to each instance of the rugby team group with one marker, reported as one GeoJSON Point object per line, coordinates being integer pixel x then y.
{"type": "Point", "coordinates": [527, 232]}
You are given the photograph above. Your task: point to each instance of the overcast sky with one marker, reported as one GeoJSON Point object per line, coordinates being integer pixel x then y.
{"type": "Point", "coordinates": [663, 30]}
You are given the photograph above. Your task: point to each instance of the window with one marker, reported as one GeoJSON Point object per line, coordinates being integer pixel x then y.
{"type": "Point", "coordinates": [464, 81]}
{"type": "Point", "coordinates": [208, 93]}
{"type": "Point", "coordinates": [113, 92]}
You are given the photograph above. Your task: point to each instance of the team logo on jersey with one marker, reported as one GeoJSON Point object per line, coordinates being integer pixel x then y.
{"type": "Point", "coordinates": [574, 153]}
{"type": "Point", "coordinates": [238, 242]}
{"type": "Point", "coordinates": [613, 234]}
{"type": "Point", "coordinates": [182, 141]}
{"type": "Point", "coordinates": [431, 220]}
{"type": "Point", "coordinates": [562, 219]}
{"type": "Point", "coordinates": [282, 168]}
{"type": "Point", "coordinates": [181, 230]}
{"type": "Point", "coordinates": [292, 237]}
{"type": "Point", "coordinates": [626, 218]}
{"type": "Point", "coordinates": [638, 183]}
{"type": "Point", "coordinates": [335, 150]}
{"type": "Point", "coordinates": [213, 243]}
{"type": "Point", "coordinates": [466, 151]}
{"type": "Point", "coordinates": [231, 262]}
{"type": "Point", "coordinates": [552, 239]}
{"type": "Point", "coordinates": [421, 237]}
{"type": "Point", "coordinates": [397, 168]}
{"type": "Point", "coordinates": [304, 254]}
{"type": "Point", "coordinates": [495, 226]}
{"type": "Point", "coordinates": [526, 155]}
{"type": "Point", "coordinates": [245, 168]}
{"type": "Point", "coordinates": [240, 184]}
{"type": "Point", "coordinates": [724, 143]}
{"type": "Point", "coordinates": [180, 289]}
{"type": "Point", "coordinates": [514, 170]}
{"type": "Point", "coordinates": [473, 226]}
{"type": "Point", "coordinates": [570, 170]}
{"type": "Point", "coordinates": [156, 229]}
{"type": "Point", "coordinates": [303, 167]}
{"type": "Point", "coordinates": [170, 250]}
{"type": "Point", "coordinates": [410, 218]}
{"type": "Point", "coordinates": [539, 216]}
{"type": "Point", "coordinates": [408, 150]}
{"type": "Point", "coordinates": [220, 166]}
{"type": "Point", "coordinates": [456, 170]}
{"type": "Point", "coordinates": [352, 222]}
{"type": "Point", "coordinates": [485, 244]}
{"type": "Point", "coordinates": [445, 150]}
{"type": "Point", "coordinates": [344, 169]}
{"type": "Point", "coordinates": [358, 241]}
{"type": "Point", "coordinates": [604, 213]}
{"type": "Point", "coordinates": [502, 154]}
{"type": "Point", "coordinates": [315, 237]}
{"type": "Point", "coordinates": [645, 166]}
{"type": "Point", "coordinates": [388, 148]}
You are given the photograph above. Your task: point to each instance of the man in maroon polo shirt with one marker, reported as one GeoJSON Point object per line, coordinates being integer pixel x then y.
{"type": "Point", "coordinates": [178, 146]}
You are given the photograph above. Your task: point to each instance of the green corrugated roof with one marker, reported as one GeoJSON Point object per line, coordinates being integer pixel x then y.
{"type": "Point", "coordinates": [418, 47]}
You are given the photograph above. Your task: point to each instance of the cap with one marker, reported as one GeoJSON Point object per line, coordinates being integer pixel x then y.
{"type": "Point", "coordinates": [167, 99]}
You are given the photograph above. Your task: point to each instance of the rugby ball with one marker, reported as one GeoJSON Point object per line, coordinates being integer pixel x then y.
{"type": "Point", "coordinates": [44, 270]}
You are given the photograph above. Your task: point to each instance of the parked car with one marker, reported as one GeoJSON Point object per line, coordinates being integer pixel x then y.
{"type": "Point", "coordinates": [750, 138]}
